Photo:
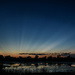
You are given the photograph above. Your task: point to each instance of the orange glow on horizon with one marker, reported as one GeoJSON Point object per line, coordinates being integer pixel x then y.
{"type": "Point", "coordinates": [32, 56]}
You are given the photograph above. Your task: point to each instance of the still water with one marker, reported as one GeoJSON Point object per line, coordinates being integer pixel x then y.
{"type": "Point", "coordinates": [39, 67]}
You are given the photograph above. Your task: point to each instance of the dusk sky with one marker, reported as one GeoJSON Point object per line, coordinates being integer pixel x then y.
{"type": "Point", "coordinates": [37, 27]}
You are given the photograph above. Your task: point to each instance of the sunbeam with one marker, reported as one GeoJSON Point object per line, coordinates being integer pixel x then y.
{"type": "Point", "coordinates": [36, 29]}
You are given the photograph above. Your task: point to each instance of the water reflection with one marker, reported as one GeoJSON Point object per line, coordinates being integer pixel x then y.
{"type": "Point", "coordinates": [73, 65]}
{"type": "Point", "coordinates": [33, 67]}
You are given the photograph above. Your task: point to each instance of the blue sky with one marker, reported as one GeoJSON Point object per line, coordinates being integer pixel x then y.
{"type": "Point", "coordinates": [37, 26]}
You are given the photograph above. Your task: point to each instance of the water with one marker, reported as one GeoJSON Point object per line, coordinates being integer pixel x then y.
{"type": "Point", "coordinates": [39, 67]}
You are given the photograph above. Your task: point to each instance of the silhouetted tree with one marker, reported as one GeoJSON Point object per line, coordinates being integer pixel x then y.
{"type": "Point", "coordinates": [50, 57]}
{"type": "Point", "coordinates": [29, 57]}
{"type": "Point", "coordinates": [24, 59]}
{"type": "Point", "coordinates": [36, 57]}
{"type": "Point", "coordinates": [8, 58]}
{"type": "Point", "coordinates": [1, 58]}
{"type": "Point", "coordinates": [58, 56]}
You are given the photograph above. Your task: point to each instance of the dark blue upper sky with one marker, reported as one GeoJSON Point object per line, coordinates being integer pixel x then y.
{"type": "Point", "coordinates": [37, 26]}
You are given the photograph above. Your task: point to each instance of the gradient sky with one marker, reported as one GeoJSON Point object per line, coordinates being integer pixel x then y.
{"type": "Point", "coordinates": [42, 26]}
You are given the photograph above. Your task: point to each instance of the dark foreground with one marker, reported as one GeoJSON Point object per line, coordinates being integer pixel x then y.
{"type": "Point", "coordinates": [2, 72]}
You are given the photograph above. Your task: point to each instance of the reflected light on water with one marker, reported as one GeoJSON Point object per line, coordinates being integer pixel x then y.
{"type": "Point", "coordinates": [32, 64]}
{"type": "Point", "coordinates": [56, 67]}
{"type": "Point", "coordinates": [73, 65]}
{"type": "Point", "coordinates": [15, 64]}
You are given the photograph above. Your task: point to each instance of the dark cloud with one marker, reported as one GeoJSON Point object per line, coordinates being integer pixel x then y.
{"type": "Point", "coordinates": [32, 54]}
{"type": "Point", "coordinates": [65, 54]}
{"type": "Point", "coordinates": [39, 53]}
{"type": "Point", "coordinates": [62, 54]}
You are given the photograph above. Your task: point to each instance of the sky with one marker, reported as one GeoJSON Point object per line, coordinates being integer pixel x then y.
{"type": "Point", "coordinates": [37, 26]}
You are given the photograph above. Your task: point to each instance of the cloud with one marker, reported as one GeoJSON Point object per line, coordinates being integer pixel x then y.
{"type": "Point", "coordinates": [39, 53]}
{"type": "Point", "coordinates": [32, 54]}
{"type": "Point", "coordinates": [62, 54]}
{"type": "Point", "coordinates": [65, 54]}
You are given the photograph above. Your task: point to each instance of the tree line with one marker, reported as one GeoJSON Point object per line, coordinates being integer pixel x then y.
{"type": "Point", "coordinates": [36, 58]}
